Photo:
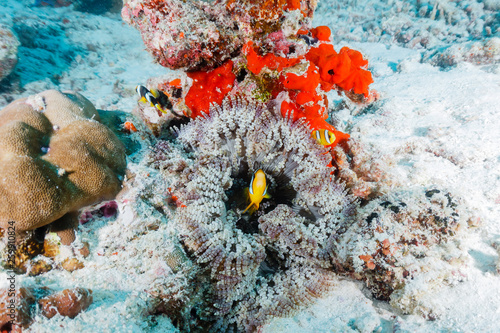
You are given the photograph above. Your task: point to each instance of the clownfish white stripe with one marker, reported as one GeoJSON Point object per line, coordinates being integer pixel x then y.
{"type": "Point", "coordinates": [327, 137]}
{"type": "Point", "coordinates": [251, 186]}
{"type": "Point", "coordinates": [323, 137]}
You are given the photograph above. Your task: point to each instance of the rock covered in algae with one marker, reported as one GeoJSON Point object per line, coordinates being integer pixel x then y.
{"type": "Point", "coordinates": [67, 303]}
{"type": "Point", "coordinates": [196, 35]}
{"type": "Point", "coordinates": [404, 245]}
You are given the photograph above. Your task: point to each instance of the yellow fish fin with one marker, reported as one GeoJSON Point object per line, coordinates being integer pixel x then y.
{"type": "Point", "coordinates": [160, 108]}
{"type": "Point", "coordinates": [251, 204]}
{"type": "Point", "coordinates": [155, 93]}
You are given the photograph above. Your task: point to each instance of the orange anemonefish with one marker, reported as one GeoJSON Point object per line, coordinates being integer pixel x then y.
{"type": "Point", "coordinates": [323, 136]}
{"type": "Point", "coordinates": [257, 190]}
{"type": "Point", "coordinates": [155, 97]}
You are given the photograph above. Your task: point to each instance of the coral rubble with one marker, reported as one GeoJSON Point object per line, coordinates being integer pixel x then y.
{"type": "Point", "coordinates": [14, 317]}
{"type": "Point", "coordinates": [68, 303]}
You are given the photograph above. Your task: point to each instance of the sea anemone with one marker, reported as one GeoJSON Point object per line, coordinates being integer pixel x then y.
{"type": "Point", "coordinates": [272, 262]}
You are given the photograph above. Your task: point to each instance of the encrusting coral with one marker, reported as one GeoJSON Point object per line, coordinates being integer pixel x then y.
{"type": "Point", "coordinates": [274, 261]}
{"type": "Point", "coordinates": [169, 36]}
{"type": "Point", "coordinates": [56, 157]}
{"type": "Point", "coordinates": [195, 35]}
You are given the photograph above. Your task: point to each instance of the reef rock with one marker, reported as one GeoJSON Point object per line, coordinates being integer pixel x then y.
{"type": "Point", "coordinates": [404, 245]}
{"type": "Point", "coordinates": [8, 51]}
{"type": "Point", "coordinates": [195, 35]}
{"type": "Point", "coordinates": [68, 303]}
{"type": "Point", "coordinates": [15, 318]}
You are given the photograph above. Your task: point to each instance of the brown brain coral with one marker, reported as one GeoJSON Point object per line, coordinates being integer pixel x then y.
{"type": "Point", "coordinates": [55, 158]}
{"type": "Point", "coordinates": [272, 262]}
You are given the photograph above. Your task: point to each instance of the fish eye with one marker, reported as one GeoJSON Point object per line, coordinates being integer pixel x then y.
{"type": "Point", "coordinates": [332, 137]}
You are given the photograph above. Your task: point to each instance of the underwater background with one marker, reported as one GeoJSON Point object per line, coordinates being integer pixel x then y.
{"type": "Point", "coordinates": [394, 230]}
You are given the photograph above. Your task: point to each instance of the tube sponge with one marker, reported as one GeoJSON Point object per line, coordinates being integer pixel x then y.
{"type": "Point", "coordinates": [55, 158]}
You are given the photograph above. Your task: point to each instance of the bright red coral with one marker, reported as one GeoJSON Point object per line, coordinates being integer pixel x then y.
{"type": "Point", "coordinates": [358, 79]}
{"type": "Point", "coordinates": [322, 33]}
{"type": "Point", "coordinates": [302, 92]}
{"type": "Point", "coordinates": [306, 82]}
{"type": "Point", "coordinates": [344, 69]}
{"type": "Point", "coordinates": [302, 95]}
{"type": "Point", "coordinates": [209, 87]}
{"type": "Point", "coordinates": [292, 5]}
{"type": "Point", "coordinates": [255, 62]}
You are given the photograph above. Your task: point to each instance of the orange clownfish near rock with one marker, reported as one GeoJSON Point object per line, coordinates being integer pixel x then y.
{"type": "Point", "coordinates": [323, 136]}
{"type": "Point", "coordinates": [257, 190]}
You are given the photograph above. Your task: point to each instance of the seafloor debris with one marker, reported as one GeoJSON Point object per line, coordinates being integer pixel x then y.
{"type": "Point", "coordinates": [363, 173]}
{"type": "Point", "coordinates": [14, 317]}
{"type": "Point", "coordinates": [18, 306]}
{"type": "Point", "coordinates": [57, 158]}
{"type": "Point", "coordinates": [480, 52]}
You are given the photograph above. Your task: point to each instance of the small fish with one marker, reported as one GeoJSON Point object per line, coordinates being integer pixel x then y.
{"type": "Point", "coordinates": [257, 190]}
{"type": "Point", "coordinates": [129, 127]}
{"type": "Point", "coordinates": [308, 39]}
{"type": "Point", "coordinates": [323, 136]}
{"type": "Point", "coordinates": [156, 98]}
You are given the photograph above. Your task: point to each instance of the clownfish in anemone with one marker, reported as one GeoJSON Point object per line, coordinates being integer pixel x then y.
{"type": "Point", "coordinates": [257, 190]}
{"type": "Point", "coordinates": [323, 137]}
{"type": "Point", "coordinates": [156, 98]}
